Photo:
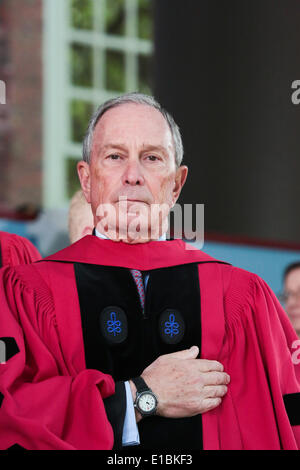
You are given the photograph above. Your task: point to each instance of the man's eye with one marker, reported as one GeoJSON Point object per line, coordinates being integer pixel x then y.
{"type": "Point", "coordinates": [152, 158]}
{"type": "Point", "coordinates": [114, 156]}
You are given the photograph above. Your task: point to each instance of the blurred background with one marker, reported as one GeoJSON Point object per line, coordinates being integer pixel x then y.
{"type": "Point", "coordinates": [223, 69]}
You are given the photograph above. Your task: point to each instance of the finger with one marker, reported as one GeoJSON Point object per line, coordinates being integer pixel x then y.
{"type": "Point", "coordinates": [211, 403]}
{"type": "Point", "coordinates": [191, 353]}
{"type": "Point", "coordinates": [214, 391]}
{"type": "Point", "coordinates": [215, 378]}
{"type": "Point", "coordinates": [207, 366]}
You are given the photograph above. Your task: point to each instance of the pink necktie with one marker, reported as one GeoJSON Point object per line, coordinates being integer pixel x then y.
{"type": "Point", "coordinates": [138, 278]}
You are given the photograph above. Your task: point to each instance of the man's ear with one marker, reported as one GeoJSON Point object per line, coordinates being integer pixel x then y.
{"type": "Point", "coordinates": [180, 178]}
{"type": "Point", "coordinates": [83, 169]}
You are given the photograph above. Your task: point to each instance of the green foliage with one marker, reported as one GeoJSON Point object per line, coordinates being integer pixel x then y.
{"type": "Point", "coordinates": [81, 65]}
{"type": "Point", "coordinates": [115, 17]}
{"type": "Point", "coordinates": [145, 63]}
{"type": "Point", "coordinates": [73, 183]}
{"type": "Point", "coordinates": [115, 71]}
{"type": "Point", "coordinates": [81, 113]}
{"type": "Point", "coordinates": [82, 14]}
{"type": "Point", "coordinates": [145, 21]}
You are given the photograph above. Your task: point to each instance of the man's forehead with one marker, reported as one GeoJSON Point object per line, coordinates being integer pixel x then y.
{"type": "Point", "coordinates": [130, 121]}
{"type": "Point", "coordinates": [128, 114]}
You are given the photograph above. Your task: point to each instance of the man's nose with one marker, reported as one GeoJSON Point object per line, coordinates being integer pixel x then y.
{"type": "Point", "coordinates": [133, 174]}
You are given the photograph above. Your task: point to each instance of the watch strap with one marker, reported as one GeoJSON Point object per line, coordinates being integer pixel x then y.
{"type": "Point", "coordinates": [140, 384]}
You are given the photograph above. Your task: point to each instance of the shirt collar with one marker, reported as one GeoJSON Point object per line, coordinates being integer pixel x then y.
{"type": "Point", "coordinates": [100, 235]}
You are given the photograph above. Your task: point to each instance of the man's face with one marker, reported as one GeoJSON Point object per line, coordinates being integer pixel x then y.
{"type": "Point", "coordinates": [292, 291]}
{"type": "Point", "coordinates": [133, 157]}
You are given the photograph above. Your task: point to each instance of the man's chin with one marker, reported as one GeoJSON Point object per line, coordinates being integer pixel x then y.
{"type": "Point", "coordinates": [140, 236]}
{"type": "Point", "coordinates": [133, 233]}
{"type": "Point", "coordinates": [134, 241]}
{"type": "Point", "coordinates": [132, 238]}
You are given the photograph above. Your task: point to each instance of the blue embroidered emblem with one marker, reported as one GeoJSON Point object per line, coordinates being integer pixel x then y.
{"type": "Point", "coordinates": [114, 325]}
{"type": "Point", "coordinates": [171, 326]}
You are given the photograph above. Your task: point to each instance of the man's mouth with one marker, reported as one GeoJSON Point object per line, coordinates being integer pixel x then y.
{"type": "Point", "coordinates": [132, 200]}
{"type": "Point", "coordinates": [136, 200]}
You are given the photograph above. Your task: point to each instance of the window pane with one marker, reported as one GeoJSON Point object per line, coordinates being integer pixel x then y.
{"type": "Point", "coordinates": [145, 19]}
{"type": "Point", "coordinates": [115, 17]}
{"type": "Point", "coordinates": [115, 76]}
{"type": "Point", "coordinates": [73, 183]}
{"type": "Point", "coordinates": [145, 74]}
{"type": "Point", "coordinates": [82, 14]}
{"type": "Point", "coordinates": [81, 112]}
{"type": "Point", "coordinates": [82, 65]}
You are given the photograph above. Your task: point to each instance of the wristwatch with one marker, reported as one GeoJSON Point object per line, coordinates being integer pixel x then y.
{"type": "Point", "coordinates": [146, 401]}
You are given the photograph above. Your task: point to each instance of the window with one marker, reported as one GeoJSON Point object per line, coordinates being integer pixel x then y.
{"type": "Point", "coordinates": [93, 50]}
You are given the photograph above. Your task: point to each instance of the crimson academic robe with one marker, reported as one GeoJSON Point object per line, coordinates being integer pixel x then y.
{"type": "Point", "coordinates": [66, 317]}
{"type": "Point", "coordinates": [15, 250]}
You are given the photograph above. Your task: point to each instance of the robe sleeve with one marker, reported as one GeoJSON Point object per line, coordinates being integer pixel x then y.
{"type": "Point", "coordinates": [17, 250]}
{"type": "Point", "coordinates": [261, 347]}
{"type": "Point", "coordinates": [42, 407]}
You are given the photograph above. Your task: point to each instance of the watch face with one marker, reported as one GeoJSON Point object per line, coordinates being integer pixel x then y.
{"type": "Point", "coordinates": [147, 402]}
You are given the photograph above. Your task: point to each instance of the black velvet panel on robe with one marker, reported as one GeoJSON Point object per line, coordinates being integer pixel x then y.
{"type": "Point", "coordinates": [122, 340]}
{"type": "Point", "coordinates": [292, 406]}
{"type": "Point", "coordinates": [9, 346]}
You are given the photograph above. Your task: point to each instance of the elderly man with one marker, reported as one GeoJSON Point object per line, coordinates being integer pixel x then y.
{"type": "Point", "coordinates": [126, 337]}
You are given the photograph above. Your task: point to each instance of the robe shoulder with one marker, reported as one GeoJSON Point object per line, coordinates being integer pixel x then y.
{"type": "Point", "coordinates": [251, 305]}
{"type": "Point", "coordinates": [19, 283]}
{"type": "Point", "coordinates": [248, 299]}
{"type": "Point", "coordinates": [242, 290]}
{"type": "Point", "coordinates": [17, 250]}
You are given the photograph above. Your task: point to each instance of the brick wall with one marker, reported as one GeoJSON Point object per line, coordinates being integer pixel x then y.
{"type": "Point", "coordinates": [5, 69]}
{"type": "Point", "coordinates": [21, 64]}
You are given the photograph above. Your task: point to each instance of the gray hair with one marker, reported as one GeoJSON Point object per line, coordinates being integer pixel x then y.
{"type": "Point", "coordinates": [137, 98]}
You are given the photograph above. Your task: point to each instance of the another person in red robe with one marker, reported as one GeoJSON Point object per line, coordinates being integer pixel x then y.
{"type": "Point", "coordinates": [80, 219]}
{"type": "Point", "coordinates": [203, 350]}
{"type": "Point", "coordinates": [291, 294]}
{"type": "Point", "coordinates": [16, 250]}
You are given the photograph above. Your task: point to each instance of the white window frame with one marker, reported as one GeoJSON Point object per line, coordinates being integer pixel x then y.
{"type": "Point", "coordinates": [58, 90]}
